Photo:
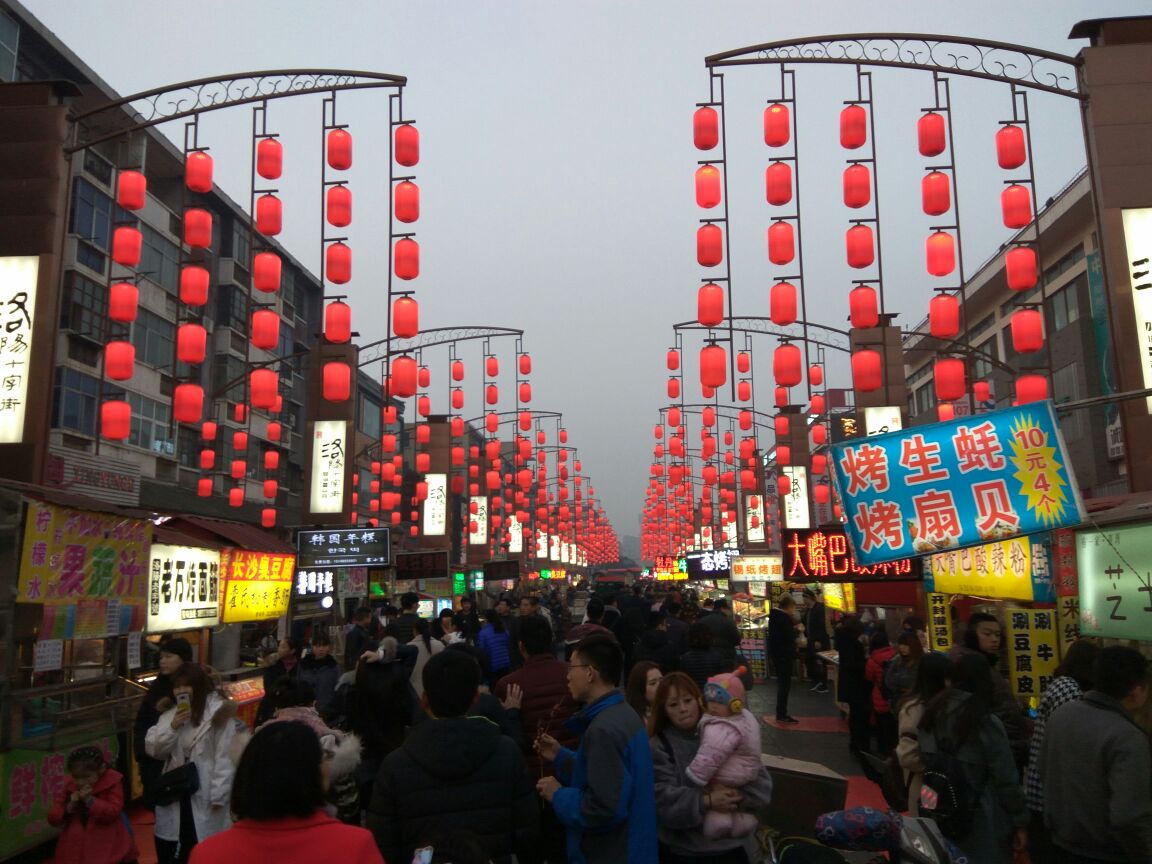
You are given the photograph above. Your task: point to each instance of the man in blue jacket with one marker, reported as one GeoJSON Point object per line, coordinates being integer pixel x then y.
{"type": "Point", "coordinates": [603, 792]}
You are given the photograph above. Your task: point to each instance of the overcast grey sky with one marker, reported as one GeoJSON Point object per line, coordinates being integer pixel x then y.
{"type": "Point", "coordinates": [557, 165]}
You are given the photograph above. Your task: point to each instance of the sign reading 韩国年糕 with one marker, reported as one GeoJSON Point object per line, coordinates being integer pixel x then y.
{"type": "Point", "coordinates": [258, 585]}
{"type": "Point", "coordinates": [762, 568]}
{"type": "Point", "coordinates": [1032, 652]}
{"type": "Point", "coordinates": [823, 555]}
{"type": "Point", "coordinates": [962, 483]}
{"type": "Point", "coordinates": [183, 588]}
{"type": "Point", "coordinates": [1115, 570]}
{"type": "Point", "coordinates": [343, 547]}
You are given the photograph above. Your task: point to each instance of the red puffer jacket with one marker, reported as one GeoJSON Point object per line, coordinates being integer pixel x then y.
{"type": "Point", "coordinates": [874, 672]}
{"type": "Point", "coordinates": [103, 836]}
{"type": "Point", "coordinates": [546, 704]}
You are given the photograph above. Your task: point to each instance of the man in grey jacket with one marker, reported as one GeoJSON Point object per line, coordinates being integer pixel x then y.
{"type": "Point", "coordinates": [1096, 765]}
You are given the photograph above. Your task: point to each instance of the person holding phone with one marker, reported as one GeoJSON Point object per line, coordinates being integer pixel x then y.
{"type": "Point", "coordinates": [196, 730]}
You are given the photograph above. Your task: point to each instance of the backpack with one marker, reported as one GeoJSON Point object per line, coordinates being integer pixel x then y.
{"type": "Point", "coordinates": [946, 797]}
{"type": "Point", "coordinates": [885, 690]}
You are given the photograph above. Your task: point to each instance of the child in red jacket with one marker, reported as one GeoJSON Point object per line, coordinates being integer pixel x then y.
{"type": "Point", "coordinates": [90, 807]}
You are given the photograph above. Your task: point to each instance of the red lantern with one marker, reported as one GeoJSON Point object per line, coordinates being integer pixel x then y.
{"type": "Point", "coordinates": [863, 307]}
{"type": "Point", "coordinates": [131, 189]}
{"type": "Point", "coordinates": [820, 493]}
{"type": "Point", "coordinates": [1031, 388]}
{"type": "Point", "coordinates": [1016, 206]}
{"type": "Point", "coordinates": [198, 171]}
{"type": "Point", "coordinates": [126, 244]}
{"type": "Point", "coordinates": [781, 425]}
{"type": "Point", "coordinates": [208, 430]}
{"type": "Point", "coordinates": [338, 322]}
{"type": "Point", "coordinates": [239, 469]}
{"type": "Point", "coordinates": [271, 460]}
{"type": "Point", "coordinates": [744, 391]}
{"type": "Point", "coordinates": [781, 242]}
{"type": "Point", "coordinates": [705, 128]}
{"type": "Point", "coordinates": [193, 285]}
{"type": "Point", "coordinates": [524, 420]}
{"type": "Point", "coordinates": [780, 397]}
{"type": "Point", "coordinates": [940, 252]}
{"type": "Point", "coordinates": [340, 149]}
{"type": "Point", "coordinates": [403, 375]}
{"type": "Point", "coordinates": [783, 457]}
{"type": "Point", "coordinates": [457, 370]}
{"type": "Point", "coordinates": [525, 361]}
{"type": "Point", "coordinates": [673, 388]}
{"type": "Point", "coordinates": [857, 186]}
{"type": "Point", "coordinates": [338, 263]}
{"type": "Point", "coordinates": [1020, 268]}
{"type": "Point", "coordinates": [1011, 147]}
{"type": "Point", "coordinates": [491, 394]}
{"type": "Point", "coordinates": [819, 434]}
{"type": "Point", "coordinates": [339, 209]}
{"type": "Point", "coordinates": [407, 145]}
{"type": "Point", "coordinates": [815, 374]}
{"type": "Point", "coordinates": [207, 460]}
{"type": "Point", "coordinates": [713, 366]}
{"type": "Point", "coordinates": [337, 382]}
{"type": "Point", "coordinates": [853, 127]}
{"type": "Point", "coordinates": [778, 183]}
{"type": "Point", "coordinates": [710, 304]}
{"type": "Point", "coordinates": [982, 390]}
{"type": "Point", "coordinates": [1027, 331]}
{"type": "Point", "coordinates": [708, 417]}
{"type": "Point", "coordinates": [273, 432]}
{"type": "Point", "coordinates": [236, 496]}
{"type": "Point", "coordinates": [787, 365]}
{"type": "Point", "coordinates": [115, 420]}
{"type": "Point", "coordinates": [525, 392]}
{"type": "Point", "coordinates": [819, 463]}
{"type": "Point", "coordinates": [191, 343]}
{"type": "Point", "coordinates": [708, 190]}
{"type": "Point", "coordinates": [268, 514]}
{"type": "Point", "coordinates": [188, 403]}
{"type": "Point", "coordinates": [777, 125]}
{"type": "Point", "coordinates": [262, 387]}
{"type": "Point", "coordinates": [492, 366]}
{"type": "Point", "coordinates": [407, 201]}
{"type": "Point", "coordinates": [266, 267]}
{"type": "Point", "coordinates": [119, 360]}
{"type": "Point", "coordinates": [944, 316]}
{"type": "Point", "coordinates": [269, 158]}
{"type": "Point", "coordinates": [204, 487]}
{"type": "Point", "coordinates": [240, 412]}
{"type": "Point", "coordinates": [269, 215]}
{"type": "Point", "coordinates": [709, 245]}
{"type": "Point", "coordinates": [265, 329]}
{"type": "Point", "coordinates": [931, 134]}
{"type": "Point", "coordinates": [407, 258]}
{"type": "Point", "coordinates": [866, 370]}
{"type": "Point", "coordinates": [198, 227]}
{"type": "Point", "coordinates": [949, 379]}
{"type": "Point", "coordinates": [123, 298]}
{"type": "Point", "coordinates": [860, 245]}
{"type": "Point", "coordinates": [405, 317]}
{"type": "Point", "coordinates": [936, 193]}
{"type": "Point", "coordinates": [743, 362]}
{"type": "Point", "coordinates": [457, 399]}
{"type": "Point", "coordinates": [782, 303]}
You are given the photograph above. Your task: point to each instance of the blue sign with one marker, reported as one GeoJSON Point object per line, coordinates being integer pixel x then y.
{"type": "Point", "coordinates": [966, 482]}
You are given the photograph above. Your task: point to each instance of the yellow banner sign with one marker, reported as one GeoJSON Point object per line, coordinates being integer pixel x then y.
{"type": "Point", "coordinates": [939, 622]}
{"type": "Point", "coordinates": [840, 596]}
{"type": "Point", "coordinates": [72, 555]}
{"type": "Point", "coordinates": [1032, 649]}
{"type": "Point", "coordinates": [258, 584]}
{"type": "Point", "coordinates": [1002, 570]}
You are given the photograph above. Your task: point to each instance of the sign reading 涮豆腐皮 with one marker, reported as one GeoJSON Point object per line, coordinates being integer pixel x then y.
{"type": "Point", "coordinates": [183, 588]}
{"type": "Point", "coordinates": [257, 585]}
{"type": "Point", "coordinates": [823, 554]}
{"type": "Point", "coordinates": [965, 482]}
{"type": "Point", "coordinates": [1032, 650]}
{"type": "Point", "coordinates": [1115, 570]}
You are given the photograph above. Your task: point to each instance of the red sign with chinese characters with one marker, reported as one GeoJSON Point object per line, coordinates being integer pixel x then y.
{"type": "Point", "coordinates": [823, 555]}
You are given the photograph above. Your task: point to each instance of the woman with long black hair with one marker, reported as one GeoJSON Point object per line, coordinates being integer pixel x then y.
{"type": "Point", "coordinates": [426, 647]}
{"type": "Point", "coordinates": [932, 674]}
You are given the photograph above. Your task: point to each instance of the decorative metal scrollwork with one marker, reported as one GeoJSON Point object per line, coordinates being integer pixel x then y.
{"type": "Point", "coordinates": [382, 349]}
{"type": "Point", "coordinates": [995, 61]}
{"type": "Point", "coordinates": [175, 101]}
{"type": "Point", "coordinates": [828, 337]}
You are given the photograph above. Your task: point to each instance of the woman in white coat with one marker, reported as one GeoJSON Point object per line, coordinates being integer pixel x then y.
{"type": "Point", "coordinates": [199, 731]}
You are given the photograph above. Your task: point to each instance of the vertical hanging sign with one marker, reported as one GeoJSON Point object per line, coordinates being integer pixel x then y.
{"type": "Point", "coordinates": [480, 536]}
{"type": "Point", "coordinates": [939, 622]}
{"type": "Point", "coordinates": [1138, 239]}
{"type": "Point", "coordinates": [436, 505]}
{"type": "Point", "coordinates": [18, 276]}
{"type": "Point", "coordinates": [515, 536]}
{"type": "Point", "coordinates": [328, 460]}
{"type": "Point", "coordinates": [796, 501]}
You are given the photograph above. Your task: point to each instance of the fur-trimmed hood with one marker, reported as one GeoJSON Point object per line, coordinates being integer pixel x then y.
{"type": "Point", "coordinates": [342, 750]}
{"type": "Point", "coordinates": [224, 712]}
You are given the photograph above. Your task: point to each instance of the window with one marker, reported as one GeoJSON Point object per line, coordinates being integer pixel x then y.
{"type": "Point", "coordinates": [189, 446]}
{"type": "Point", "coordinates": [91, 214]}
{"type": "Point", "coordinates": [982, 366]}
{"type": "Point", "coordinates": [1033, 296]}
{"type": "Point", "coordinates": [85, 305]}
{"type": "Point", "coordinates": [90, 257]}
{"type": "Point", "coordinates": [1065, 263]}
{"type": "Point", "coordinates": [154, 339]}
{"type": "Point", "coordinates": [925, 399]}
{"type": "Point", "coordinates": [98, 166]}
{"type": "Point", "coordinates": [150, 425]}
{"type": "Point", "coordinates": [232, 307]}
{"type": "Point", "coordinates": [241, 244]}
{"type": "Point", "coordinates": [76, 399]}
{"type": "Point", "coordinates": [9, 42]}
{"type": "Point", "coordinates": [227, 369]}
{"type": "Point", "coordinates": [1066, 388]}
{"type": "Point", "coordinates": [160, 260]}
{"type": "Point", "coordinates": [83, 351]}
{"type": "Point", "coordinates": [370, 417]}
{"type": "Point", "coordinates": [978, 328]}
{"type": "Point", "coordinates": [1066, 303]}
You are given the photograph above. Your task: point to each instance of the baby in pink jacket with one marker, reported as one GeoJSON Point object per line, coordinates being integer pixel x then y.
{"type": "Point", "coordinates": [729, 752]}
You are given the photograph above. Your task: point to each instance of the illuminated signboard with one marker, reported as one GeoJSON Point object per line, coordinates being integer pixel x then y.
{"type": "Point", "coordinates": [823, 555]}
{"type": "Point", "coordinates": [1115, 582]}
{"type": "Point", "coordinates": [413, 566]}
{"type": "Point", "coordinates": [796, 513]}
{"type": "Point", "coordinates": [877, 421]}
{"type": "Point", "coordinates": [763, 568]}
{"type": "Point", "coordinates": [840, 596]}
{"type": "Point", "coordinates": [328, 457]}
{"type": "Point", "coordinates": [541, 544]}
{"type": "Point", "coordinates": [668, 568]}
{"type": "Point", "coordinates": [754, 518]}
{"type": "Point", "coordinates": [436, 505]}
{"type": "Point", "coordinates": [480, 519]}
{"type": "Point", "coordinates": [709, 566]}
{"type": "Point", "coordinates": [515, 536]}
{"type": "Point", "coordinates": [1002, 570]}
{"type": "Point", "coordinates": [183, 588]}
{"type": "Point", "coordinates": [18, 275]}
{"type": "Point", "coordinates": [343, 547]}
{"type": "Point", "coordinates": [315, 583]}
{"type": "Point", "coordinates": [553, 547]}
{"type": "Point", "coordinates": [257, 585]}
{"type": "Point", "coordinates": [1138, 239]}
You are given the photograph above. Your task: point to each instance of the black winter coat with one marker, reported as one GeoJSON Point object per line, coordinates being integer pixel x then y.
{"type": "Point", "coordinates": [654, 646]}
{"type": "Point", "coordinates": [702, 665]}
{"type": "Point", "coordinates": [459, 772]}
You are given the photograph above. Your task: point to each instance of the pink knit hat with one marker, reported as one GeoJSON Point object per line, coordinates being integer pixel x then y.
{"type": "Point", "coordinates": [727, 689]}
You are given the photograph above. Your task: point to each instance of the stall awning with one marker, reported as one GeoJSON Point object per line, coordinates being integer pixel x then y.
{"type": "Point", "coordinates": [227, 533]}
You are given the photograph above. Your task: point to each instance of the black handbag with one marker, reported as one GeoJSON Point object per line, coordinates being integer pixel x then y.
{"type": "Point", "coordinates": [172, 785]}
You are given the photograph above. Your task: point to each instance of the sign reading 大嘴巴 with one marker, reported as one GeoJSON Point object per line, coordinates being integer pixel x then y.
{"type": "Point", "coordinates": [966, 482]}
{"type": "Point", "coordinates": [258, 585]}
{"type": "Point", "coordinates": [823, 555]}
{"type": "Point", "coordinates": [1115, 568]}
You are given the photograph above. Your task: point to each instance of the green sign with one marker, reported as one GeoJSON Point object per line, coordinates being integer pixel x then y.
{"type": "Point", "coordinates": [459, 583]}
{"type": "Point", "coordinates": [545, 574]}
{"type": "Point", "coordinates": [1115, 567]}
{"type": "Point", "coordinates": [477, 580]}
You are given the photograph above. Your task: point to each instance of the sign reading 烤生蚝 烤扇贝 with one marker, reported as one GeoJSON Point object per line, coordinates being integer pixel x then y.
{"type": "Point", "coordinates": [962, 483]}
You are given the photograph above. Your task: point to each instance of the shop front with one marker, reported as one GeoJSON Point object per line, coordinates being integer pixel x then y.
{"type": "Point", "coordinates": [426, 574]}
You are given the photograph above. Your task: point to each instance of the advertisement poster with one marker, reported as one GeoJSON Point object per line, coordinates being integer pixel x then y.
{"type": "Point", "coordinates": [1032, 654]}
{"type": "Point", "coordinates": [74, 554]}
{"type": "Point", "coordinates": [258, 585]}
{"type": "Point", "coordinates": [965, 482]}
{"type": "Point", "coordinates": [183, 588]}
{"type": "Point", "coordinates": [1115, 569]}
{"type": "Point", "coordinates": [763, 568]}
{"type": "Point", "coordinates": [840, 596]}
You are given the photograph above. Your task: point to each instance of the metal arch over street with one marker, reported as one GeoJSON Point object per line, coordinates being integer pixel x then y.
{"type": "Point", "coordinates": [382, 349]}
{"type": "Point", "coordinates": [765, 327]}
{"type": "Point", "coordinates": [187, 98]}
{"type": "Point", "coordinates": [993, 61]}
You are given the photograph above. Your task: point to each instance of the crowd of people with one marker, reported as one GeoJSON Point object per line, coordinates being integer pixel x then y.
{"type": "Point", "coordinates": [621, 734]}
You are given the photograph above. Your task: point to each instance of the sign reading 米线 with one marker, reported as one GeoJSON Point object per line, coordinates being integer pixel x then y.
{"type": "Point", "coordinates": [966, 482]}
{"type": "Point", "coordinates": [823, 555]}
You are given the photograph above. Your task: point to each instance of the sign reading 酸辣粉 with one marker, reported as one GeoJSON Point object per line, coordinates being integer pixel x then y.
{"type": "Point", "coordinates": [1115, 570]}
{"type": "Point", "coordinates": [965, 482]}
